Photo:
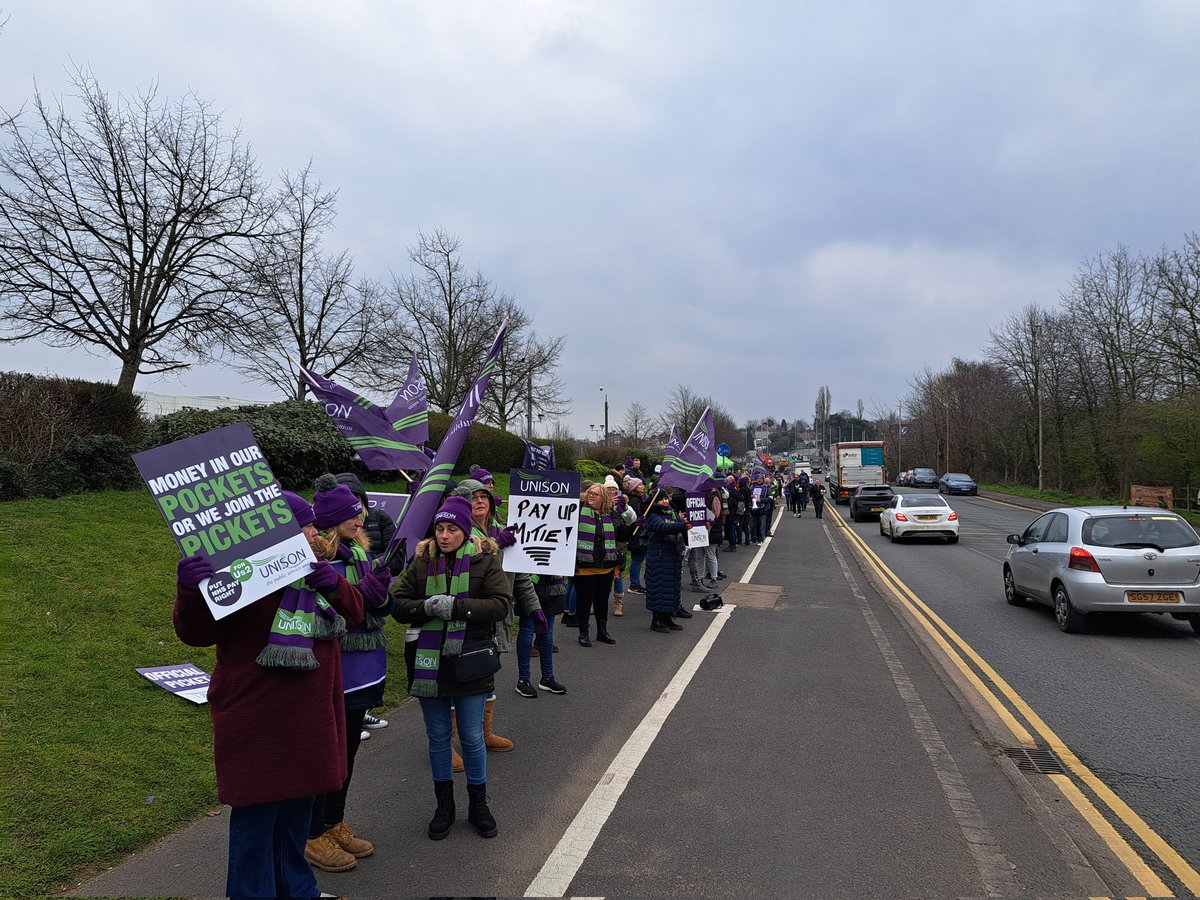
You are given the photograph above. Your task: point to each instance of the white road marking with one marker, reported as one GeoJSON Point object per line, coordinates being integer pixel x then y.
{"type": "Point", "coordinates": [572, 850]}
{"type": "Point", "coordinates": [753, 567]}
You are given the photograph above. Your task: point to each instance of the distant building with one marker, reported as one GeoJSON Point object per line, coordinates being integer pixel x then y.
{"type": "Point", "coordinates": [161, 404]}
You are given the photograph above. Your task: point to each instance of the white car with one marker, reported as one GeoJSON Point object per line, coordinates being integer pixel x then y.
{"type": "Point", "coordinates": [912, 515]}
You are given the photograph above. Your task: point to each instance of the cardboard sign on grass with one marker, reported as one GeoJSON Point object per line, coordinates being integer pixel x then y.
{"type": "Point", "coordinates": [184, 680]}
{"type": "Point", "coordinates": [697, 515]}
{"type": "Point", "coordinates": [221, 500]}
{"type": "Point", "coordinates": [543, 511]}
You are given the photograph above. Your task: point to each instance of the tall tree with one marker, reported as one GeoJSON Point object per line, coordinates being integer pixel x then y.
{"type": "Point", "coordinates": [304, 303]}
{"type": "Point", "coordinates": [126, 229]}
{"type": "Point", "coordinates": [637, 422]}
{"type": "Point", "coordinates": [527, 384]}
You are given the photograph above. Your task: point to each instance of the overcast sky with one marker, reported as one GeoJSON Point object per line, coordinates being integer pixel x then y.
{"type": "Point", "coordinates": [751, 198]}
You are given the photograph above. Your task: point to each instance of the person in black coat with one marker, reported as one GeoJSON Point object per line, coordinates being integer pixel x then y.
{"type": "Point", "coordinates": [817, 493]}
{"type": "Point", "coordinates": [665, 529]}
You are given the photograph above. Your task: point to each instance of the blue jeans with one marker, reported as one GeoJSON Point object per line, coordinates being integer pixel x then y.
{"type": "Point", "coordinates": [569, 602]}
{"type": "Point", "coordinates": [469, 712]}
{"type": "Point", "coordinates": [636, 559]}
{"type": "Point", "coordinates": [732, 529]}
{"type": "Point", "coordinates": [758, 523]}
{"type": "Point", "coordinates": [266, 850]}
{"type": "Point", "coordinates": [619, 582]}
{"type": "Point", "coordinates": [545, 644]}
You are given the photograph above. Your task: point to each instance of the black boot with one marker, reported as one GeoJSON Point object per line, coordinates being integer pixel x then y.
{"type": "Point", "coordinates": [671, 624]}
{"type": "Point", "coordinates": [658, 624]}
{"type": "Point", "coordinates": [443, 816]}
{"type": "Point", "coordinates": [682, 613]}
{"type": "Point", "coordinates": [602, 634]}
{"type": "Point", "coordinates": [584, 638]}
{"type": "Point", "coordinates": [478, 813]}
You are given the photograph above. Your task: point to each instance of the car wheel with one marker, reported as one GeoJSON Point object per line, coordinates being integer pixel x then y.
{"type": "Point", "coordinates": [1069, 618]}
{"type": "Point", "coordinates": [881, 531]}
{"type": "Point", "coordinates": [1195, 620]}
{"type": "Point", "coordinates": [952, 539]}
{"type": "Point", "coordinates": [1011, 594]}
{"type": "Point", "coordinates": [895, 537]}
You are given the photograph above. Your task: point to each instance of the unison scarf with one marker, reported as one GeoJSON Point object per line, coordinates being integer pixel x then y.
{"type": "Point", "coordinates": [439, 638]}
{"type": "Point", "coordinates": [303, 616]}
{"type": "Point", "coordinates": [369, 635]}
{"type": "Point", "coordinates": [589, 525]}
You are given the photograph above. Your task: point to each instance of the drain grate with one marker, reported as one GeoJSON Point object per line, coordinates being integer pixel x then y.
{"type": "Point", "coordinates": [1044, 762]}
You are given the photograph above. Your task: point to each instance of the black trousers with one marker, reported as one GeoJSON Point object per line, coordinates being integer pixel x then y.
{"type": "Point", "coordinates": [330, 809]}
{"type": "Point", "coordinates": [591, 595]}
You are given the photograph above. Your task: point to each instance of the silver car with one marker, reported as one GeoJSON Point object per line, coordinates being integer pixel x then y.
{"type": "Point", "coordinates": [1088, 559]}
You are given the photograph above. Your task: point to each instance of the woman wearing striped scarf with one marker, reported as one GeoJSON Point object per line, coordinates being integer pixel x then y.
{"type": "Point", "coordinates": [596, 561]}
{"type": "Point", "coordinates": [454, 592]}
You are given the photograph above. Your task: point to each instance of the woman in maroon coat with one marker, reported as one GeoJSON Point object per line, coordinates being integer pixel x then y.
{"type": "Point", "coordinates": [279, 724]}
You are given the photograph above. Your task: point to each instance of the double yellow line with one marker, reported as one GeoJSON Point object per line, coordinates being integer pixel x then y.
{"type": "Point", "coordinates": [994, 692]}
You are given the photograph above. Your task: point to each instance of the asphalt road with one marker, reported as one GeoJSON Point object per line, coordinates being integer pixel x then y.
{"type": "Point", "coordinates": [1125, 696]}
{"type": "Point", "coordinates": [811, 748]}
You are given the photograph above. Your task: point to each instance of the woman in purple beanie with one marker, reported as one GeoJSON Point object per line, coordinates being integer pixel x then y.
{"type": "Point", "coordinates": [451, 598]}
{"type": "Point", "coordinates": [278, 720]}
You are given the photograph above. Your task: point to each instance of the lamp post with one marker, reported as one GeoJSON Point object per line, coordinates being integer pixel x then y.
{"type": "Point", "coordinates": [593, 427]}
{"type": "Point", "coordinates": [1037, 391]}
{"type": "Point", "coordinates": [899, 437]}
{"type": "Point", "coordinates": [946, 403]}
{"type": "Point", "coordinates": [605, 414]}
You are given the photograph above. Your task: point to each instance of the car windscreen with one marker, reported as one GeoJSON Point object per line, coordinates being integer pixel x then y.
{"type": "Point", "coordinates": [924, 472]}
{"type": "Point", "coordinates": [957, 476]}
{"type": "Point", "coordinates": [1160, 531]}
{"type": "Point", "coordinates": [875, 494]}
{"type": "Point", "coordinates": [924, 500]}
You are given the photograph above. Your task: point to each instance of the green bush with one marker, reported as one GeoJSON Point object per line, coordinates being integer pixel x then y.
{"type": "Point", "coordinates": [57, 478]}
{"type": "Point", "coordinates": [104, 461]}
{"type": "Point", "coordinates": [12, 480]}
{"type": "Point", "coordinates": [492, 448]}
{"type": "Point", "coordinates": [592, 470]}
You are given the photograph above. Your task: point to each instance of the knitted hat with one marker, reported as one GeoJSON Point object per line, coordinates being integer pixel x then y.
{"type": "Point", "coordinates": [482, 475]}
{"type": "Point", "coordinates": [610, 482]}
{"type": "Point", "coordinates": [629, 462]}
{"type": "Point", "coordinates": [334, 503]}
{"type": "Point", "coordinates": [632, 484]}
{"type": "Point", "coordinates": [467, 488]}
{"type": "Point", "coordinates": [300, 508]}
{"type": "Point", "coordinates": [457, 511]}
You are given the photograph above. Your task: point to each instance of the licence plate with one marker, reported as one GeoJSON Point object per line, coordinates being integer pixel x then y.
{"type": "Point", "coordinates": [1153, 597]}
{"type": "Point", "coordinates": [876, 509]}
{"type": "Point", "coordinates": [928, 518]}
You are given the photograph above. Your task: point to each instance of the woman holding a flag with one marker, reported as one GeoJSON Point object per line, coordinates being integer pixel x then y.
{"type": "Point", "coordinates": [451, 598]}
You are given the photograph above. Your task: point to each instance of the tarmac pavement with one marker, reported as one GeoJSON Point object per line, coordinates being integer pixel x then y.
{"type": "Point", "coordinates": [803, 747]}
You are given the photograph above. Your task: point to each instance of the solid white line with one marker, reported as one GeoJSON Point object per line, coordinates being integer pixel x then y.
{"type": "Point", "coordinates": [573, 848]}
{"type": "Point", "coordinates": [753, 567]}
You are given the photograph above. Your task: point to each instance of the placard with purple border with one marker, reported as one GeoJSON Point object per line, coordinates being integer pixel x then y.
{"type": "Point", "coordinates": [184, 680]}
{"type": "Point", "coordinates": [543, 511]}
{"type": "Point", "coordinates": [697, 514]}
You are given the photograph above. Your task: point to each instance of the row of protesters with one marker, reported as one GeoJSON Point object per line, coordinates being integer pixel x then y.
{"type": "Point", "coordinates": [278, 712]}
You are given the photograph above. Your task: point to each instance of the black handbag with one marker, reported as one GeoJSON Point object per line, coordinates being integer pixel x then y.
{"type": "Point", "coordinates": [478, 659]}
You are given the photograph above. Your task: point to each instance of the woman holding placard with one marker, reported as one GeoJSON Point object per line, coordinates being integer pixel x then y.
{"type": "Point", "coordinates": [451, 598]}
{"type": "Point", "coordinates": [278, 718]}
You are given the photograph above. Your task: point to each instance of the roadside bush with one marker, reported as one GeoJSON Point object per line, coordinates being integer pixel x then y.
{"type": "Point", "coordinates": [591, 469]}
{"type": "Point", "coordinates": [105, 462]}
{"type": "Point", "coordinates": [492, 448]}
{"type": "Point", "coordinates": [12, 480]}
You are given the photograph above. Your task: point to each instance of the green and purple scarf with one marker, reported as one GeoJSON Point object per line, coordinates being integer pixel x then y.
{"type": "Point", "coordinates": [438, 638]}
{"type": "Point", "coordinates": [589, 525]}
{"type": "Point", "coordinates": [303, 616]}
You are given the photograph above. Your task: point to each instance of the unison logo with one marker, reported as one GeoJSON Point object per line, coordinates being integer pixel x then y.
{"type": "Point", "coordinates": [271, 565]}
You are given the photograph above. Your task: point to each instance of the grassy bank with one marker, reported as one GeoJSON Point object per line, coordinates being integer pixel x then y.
{"type": "Point", "coordinates": [1065, 498]}
{"type": "Point", "coordinates": [95, 761]}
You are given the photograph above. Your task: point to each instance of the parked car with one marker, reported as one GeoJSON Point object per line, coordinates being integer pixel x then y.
{"type": "Point", "coordinates": [902, 477]}
{"type": "Point", "coordinates": [957, 483]}
{"type": "Point", "coordinates": [912, 515]}
{"type": "Point", "coordinates": [870, 500]}
{"type": "Point", "coordinates": [1092, 559]}
{"type": "Point", "coordinates": [923, 478]}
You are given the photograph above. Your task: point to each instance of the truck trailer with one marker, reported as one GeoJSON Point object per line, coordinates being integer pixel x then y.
{"type": "Point", "coordinates": [855, 463]}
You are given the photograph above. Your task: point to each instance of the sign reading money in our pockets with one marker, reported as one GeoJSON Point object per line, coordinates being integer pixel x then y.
{"type": "Point", "coordinates": [543, 512]}
{"type": "Point", "coordinates": [221, 500]}
{"type": "Point", "coordinates": [697, 516]}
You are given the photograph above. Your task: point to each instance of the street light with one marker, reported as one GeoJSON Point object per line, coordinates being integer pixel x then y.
{"type": "Point", "coordinates": [605, 415]}
{"type": "Point", "coordinates": [1037, 390]}
{"type": "Point", "coordinates": [946, 403]}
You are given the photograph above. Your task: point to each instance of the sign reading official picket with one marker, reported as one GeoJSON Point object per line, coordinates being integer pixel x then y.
{"type": "Point", "coordinates": [543, 512]}
{"type": "Point", "coordinates": [697, 516]}
{"type": "Point", "coordinates": [184, 680]}
{"type": "Point", "coordinates": [220, 499]}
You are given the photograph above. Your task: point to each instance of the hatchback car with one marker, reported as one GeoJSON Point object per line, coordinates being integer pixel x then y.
{"type": "Point", "coordinates": [1092, 559]}
{"type": "Point", "coordinates": [957, 483]}
{"type": "Point", "coordinates": [923, 478]}
{"type": "Point", "coordinates": [911, 515]}
{"type": "Point", "coordinates": [869, 500]}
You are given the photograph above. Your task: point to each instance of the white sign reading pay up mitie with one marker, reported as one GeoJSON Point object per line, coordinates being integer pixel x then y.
{"type": "Point", "coordinates": [543, 512]}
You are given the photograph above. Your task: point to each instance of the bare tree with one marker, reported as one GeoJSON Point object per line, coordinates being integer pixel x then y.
{"type": "Point", "coordinates": [637, 423]}
{"type": "Point", "coordinates": [526, 384]}
{"type": "Point", "coordinates": [303, 304]}
{"type": "Point", "coordinates": [1177, 277]}
{"type": "Point", "coordinates": [125, 230]}
{"type": "Point", "coordinates": [682, 409]}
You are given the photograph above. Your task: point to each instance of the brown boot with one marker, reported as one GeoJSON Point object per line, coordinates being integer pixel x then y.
{"type": "Point", "coordinates": [324, 853]}
{"type": "Point", "coordinates": [493, 741]}
{"type": "Point", "coordinates": [456, 760]}
{"type": "Point", "coordinates": [349, 841]}
{"type": "Point", "coordinates": [618, 605]}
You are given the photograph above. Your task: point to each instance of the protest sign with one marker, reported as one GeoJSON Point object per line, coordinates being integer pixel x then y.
{"type": "Point", "coordinates": [221, 500]}
{"type": "Point", "coordinates": [543, 512]}
{"type": "Point", "coordinates": [392, 504]}
{"type": "Point", "coordinates": [697, 516]}
{"type": "Point", "coordinates": [183, 680]}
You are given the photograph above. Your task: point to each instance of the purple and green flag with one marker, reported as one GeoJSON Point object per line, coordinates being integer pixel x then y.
{"type": "Point", "coordinates": [380, 443]}
{"type": "Point", "coordinates": [538, 457]}
{"type": "Point", "coordinates": [409, 412]}
{"type": "Point", "coordinates": [692, 466]}
{"type": "Point", "coordinates": [427, 495]}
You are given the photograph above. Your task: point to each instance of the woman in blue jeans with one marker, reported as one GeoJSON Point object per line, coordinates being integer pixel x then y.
{"type": "Point", "coordinates": [451, 598]}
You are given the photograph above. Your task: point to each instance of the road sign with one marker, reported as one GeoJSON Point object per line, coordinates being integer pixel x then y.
{"type": "Point", "coordinates": [723, 449]}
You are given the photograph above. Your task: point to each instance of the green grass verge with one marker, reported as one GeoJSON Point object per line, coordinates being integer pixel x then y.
{"type": "Point", "coordinates": [95, 761]}
{"type": "Point", "coordinates": [1066, 498]}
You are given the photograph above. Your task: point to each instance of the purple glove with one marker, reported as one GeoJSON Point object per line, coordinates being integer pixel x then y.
{"type": "Point", "coordinates": [374, 587]}
{"type": "Point", "coordinates": [192, 570]}
{"type": "Point", "coordinates": [506, 538]}
{"type": "Point", "coordinates": [621, 503]}
{"type": "Point", "coordinates": [539, 622]}
{"type": "Point", "coordinates": [640, 521]}
{"type": "Point", "coordinates": [323, 577]}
